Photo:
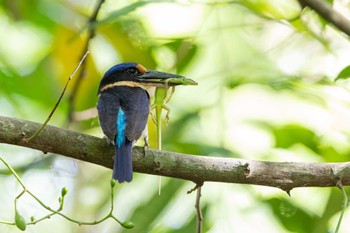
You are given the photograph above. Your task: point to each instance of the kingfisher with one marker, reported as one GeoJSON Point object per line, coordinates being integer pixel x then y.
{"type": "Point", "coordinates": [123, 109]}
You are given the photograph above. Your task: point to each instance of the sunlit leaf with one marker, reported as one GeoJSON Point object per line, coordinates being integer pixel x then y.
{"type": "Point", "coordinates": [200, 149]}
{"type": "Point", "coordinates": [287, 209]}
{"type": "Point", "coordinates": [273, 9]}
{"type": "Point", "coordinates": [185, 52]}
{"type": "Point", "coordinates": [145, 215]}
{"type": "Point", "coordinates": [289, 135]}
{"type": "Point", "coordinates": [123, 11]}
{"type": "Point", "coordinates": [299, 221]}
{"type": "Point", "coordinates": [343, 74]}
{"type": "Point", "coordinates": [125, 37]}
{"type": "Point", "coordinates": [191, 225]}
{"type": "Point", "coordinates": [333, 206]}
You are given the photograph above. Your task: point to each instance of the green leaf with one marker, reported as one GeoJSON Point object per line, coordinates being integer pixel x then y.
{"type": "Point", "coordinates": [290, 135]}
{"type": "Point", "coordinates": [185, 52]}
{"type": "Point", "coordinates": [146, 217]}
{"type": "Point", "coordinates": [129, 39]}
{"type": "Point", "coordinates": [287, 209]}
{"type": "Point", "coordinates": [123, 11]}
{"type": "Point", "coordinates": [20, 222]}
{"type": "Point", "coordinates": [344, 74]}
{"type": "Point", "coordinates": [292, 218]}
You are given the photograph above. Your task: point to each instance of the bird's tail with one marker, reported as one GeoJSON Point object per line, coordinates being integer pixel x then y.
{"type": "Point", "coordinates": [122, 170]}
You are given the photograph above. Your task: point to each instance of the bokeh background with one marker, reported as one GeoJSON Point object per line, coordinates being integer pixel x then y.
{"type": "Point", "coordinates": [266, 72]}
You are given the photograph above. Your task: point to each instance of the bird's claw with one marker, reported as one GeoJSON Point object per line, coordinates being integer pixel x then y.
{"type": "Point", "coordinates": [145, 139]}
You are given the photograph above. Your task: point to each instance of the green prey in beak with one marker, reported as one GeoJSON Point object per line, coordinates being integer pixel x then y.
{"type": "Point", "coordinates": [162, 79]}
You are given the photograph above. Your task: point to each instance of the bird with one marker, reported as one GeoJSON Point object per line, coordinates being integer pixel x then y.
{"type": "Point", "coordinates": [123, 109]}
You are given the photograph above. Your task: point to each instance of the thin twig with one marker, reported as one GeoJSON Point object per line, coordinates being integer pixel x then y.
{"type": "Point", "coordinates": [59, 99]}
{"type": "Point", "coordinates": [53, 212]}
{"type": "Point", "coordinates": [198, 184]}
{"type": "Point", "coordinates": [198, 187]}
{"type": "Point", "coordinates": [198, 209]}
{"type": "Point", "coordinates": [324, 9]}
{"type": "Point", "coordinates": [91, 21]}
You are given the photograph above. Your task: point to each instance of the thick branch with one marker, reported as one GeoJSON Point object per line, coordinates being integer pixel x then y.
{"type": "Point", "coordinates": [284, 175]}
{"type": "Point", "coordinates": [324, 9]}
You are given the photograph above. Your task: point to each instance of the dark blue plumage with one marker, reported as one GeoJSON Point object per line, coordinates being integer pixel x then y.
{"type": "Point", "coordinates": [123, 110]}
{"type": "Point", "coordinates": [123, 113]}
{"type": "Point", "coordinates": [120, 67]}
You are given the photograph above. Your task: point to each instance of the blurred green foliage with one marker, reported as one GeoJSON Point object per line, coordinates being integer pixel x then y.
{"type": "Point", "coordinates": [265, 72]}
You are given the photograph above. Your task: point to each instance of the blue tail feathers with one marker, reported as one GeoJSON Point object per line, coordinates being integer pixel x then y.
{"type": "Point", "coordinates": [122, 170]}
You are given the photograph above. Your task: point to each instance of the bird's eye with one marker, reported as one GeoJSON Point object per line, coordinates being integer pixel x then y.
{"type": "Point", "coordinates": [132, 71]}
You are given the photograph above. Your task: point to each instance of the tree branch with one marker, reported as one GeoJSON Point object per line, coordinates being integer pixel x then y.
{"type": "Point", "coordinates": [284, 175]}
{"type": "Point", "coordinates": [324, 9]}
{"type": "Point", "coordinates": [91, 35]}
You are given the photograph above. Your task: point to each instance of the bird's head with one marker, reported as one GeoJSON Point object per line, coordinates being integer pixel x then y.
{"type": "Point", "coordinates": [134, 75]}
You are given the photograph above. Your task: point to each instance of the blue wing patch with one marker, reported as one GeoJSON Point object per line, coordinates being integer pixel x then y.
{"type": "Point", "coordinates": [121, 125]}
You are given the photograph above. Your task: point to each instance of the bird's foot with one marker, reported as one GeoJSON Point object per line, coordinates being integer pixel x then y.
{"type": "Point", "coordinates": [144, 150]}
{"type": "Point", "coordinates": [145, 146]}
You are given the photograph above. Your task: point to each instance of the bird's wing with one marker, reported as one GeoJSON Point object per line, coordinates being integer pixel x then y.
{"type": "Point", "coordinates": [107, 107]}
{"type": "Point", "coordinates": [137, 115]}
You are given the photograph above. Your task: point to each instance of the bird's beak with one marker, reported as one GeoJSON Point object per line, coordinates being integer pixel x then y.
{"type": "Point", "coordinates": [157, 78]}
